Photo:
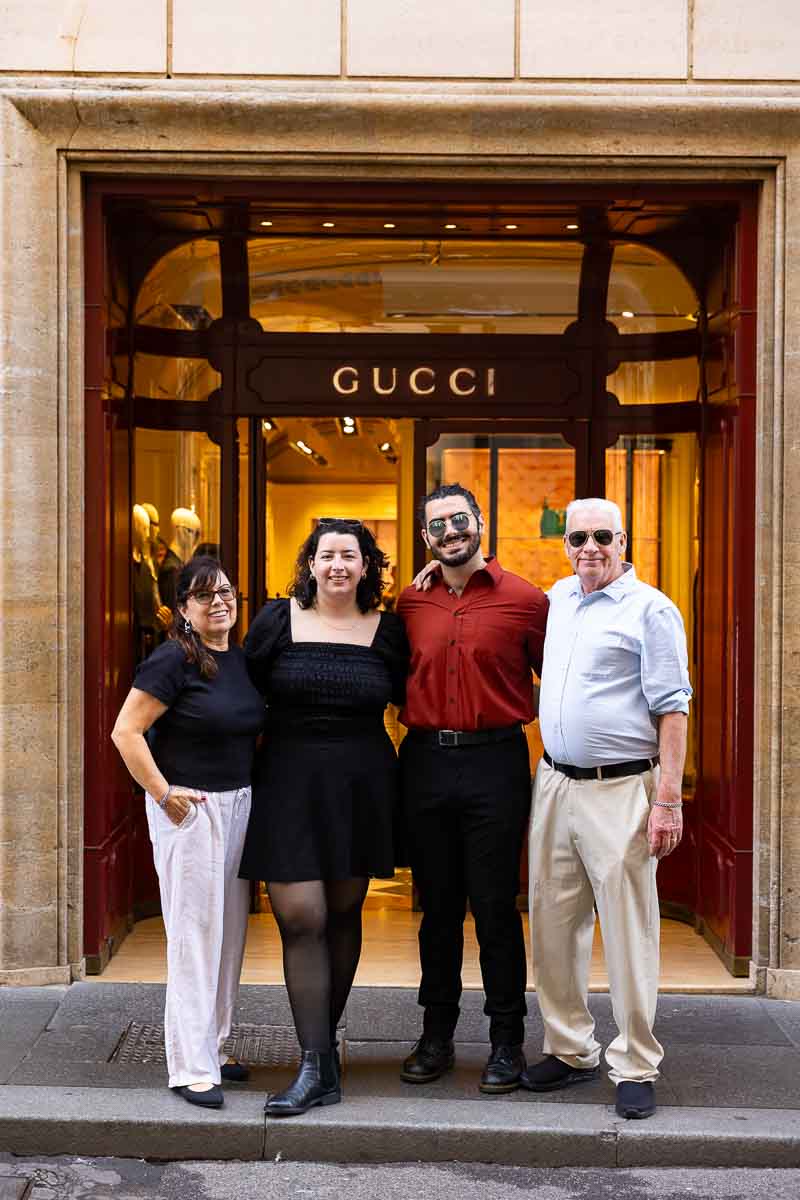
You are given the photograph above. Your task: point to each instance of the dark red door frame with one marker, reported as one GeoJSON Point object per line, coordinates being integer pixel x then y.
{"type": "Point", "coordinates": [108, 658]}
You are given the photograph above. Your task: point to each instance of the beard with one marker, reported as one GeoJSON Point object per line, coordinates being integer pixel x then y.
{"type": "Point", "coordinates": [456, 558]}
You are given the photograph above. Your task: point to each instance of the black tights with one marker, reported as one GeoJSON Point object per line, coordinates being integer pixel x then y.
{"type": "Point", "coordinates": [320, 924]}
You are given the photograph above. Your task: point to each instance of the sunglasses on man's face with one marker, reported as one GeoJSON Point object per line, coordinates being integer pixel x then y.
{"type": "Point", "coordinates": [459, 522]}
{"type": "Point", "coordinates": [600, 537]}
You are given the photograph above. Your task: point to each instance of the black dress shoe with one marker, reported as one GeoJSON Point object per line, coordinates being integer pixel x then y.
{"type": "Point", "coordinates": [635, 1101]}
{"type": "Point", "coordinates": [235, 1072]}
{"type": "Point", "coordinates": [502, 1071]}
{"type": "Point", "coordinates": [211, 1098]}
{"type": "Point", "coordinates": [314, 1085]}
{"type": "Point", "coordinates": [551, 1074]}
{"type": "Point", "coordinates": [429, 1060]}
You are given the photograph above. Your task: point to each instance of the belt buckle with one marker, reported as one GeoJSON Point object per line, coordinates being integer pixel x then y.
{"type": "Point", "coordinates": [599, 772]}
{"type": "Point", "coordinates": [448, 738]}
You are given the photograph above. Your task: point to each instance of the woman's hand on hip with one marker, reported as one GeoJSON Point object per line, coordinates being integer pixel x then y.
{"type": "Point", "coordinates": [180, 801]}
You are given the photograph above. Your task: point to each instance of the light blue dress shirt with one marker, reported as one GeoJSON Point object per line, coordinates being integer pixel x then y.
{"type": "Point", "coordinates": [614, 660]}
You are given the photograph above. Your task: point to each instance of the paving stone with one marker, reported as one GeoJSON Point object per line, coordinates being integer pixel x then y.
{"type": "Point", "coordinates": [785, 1014]}
{"type": "Point", "coordinates": [735, 1076]}
{"type": "Point", "coordinates": [20, 1028]}
{"type": "Point", "coordinates": [372, 1069]}
{"type": "Point", "coordinates": [718, 1020]}
{"type": "Point", "coordinates": [714, 1137]}
{"type": "Point", "coordinates": [145, 1123]}
{"type": "Point", "coordinates": [14, 1188]}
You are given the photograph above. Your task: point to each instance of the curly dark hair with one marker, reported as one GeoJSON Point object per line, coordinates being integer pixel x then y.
{"type": "Point", "coordinates": [200, 572]}
{"type": "Point", "coordinates": [441, 493]}
{"type": "Point", "coordinates": [368, 594]}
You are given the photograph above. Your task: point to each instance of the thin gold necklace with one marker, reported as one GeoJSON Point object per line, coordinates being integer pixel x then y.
{"type": "Point", "coordinates": [330, 624]}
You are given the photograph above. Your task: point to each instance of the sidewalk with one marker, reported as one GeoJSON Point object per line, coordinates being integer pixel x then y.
{"type": "Point", "coordinates": [82, 1072]}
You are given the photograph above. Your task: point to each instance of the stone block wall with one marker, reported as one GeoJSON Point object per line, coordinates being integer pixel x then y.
{"type": "Point", "coordinates": [657, 40]}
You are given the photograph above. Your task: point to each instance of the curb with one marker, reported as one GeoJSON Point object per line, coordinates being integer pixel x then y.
{"type": "Point", "coordinates": [144, 1123]}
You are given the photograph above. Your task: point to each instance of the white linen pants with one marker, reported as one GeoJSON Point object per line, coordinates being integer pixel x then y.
{"type": "Point", "coordinates": [205, 914]}
{"type": "Point", "coordinates": [588, 845]}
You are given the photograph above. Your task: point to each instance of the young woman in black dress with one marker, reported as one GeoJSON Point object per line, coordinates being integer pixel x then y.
{"type": "Point", "coordinates": [327, 662]}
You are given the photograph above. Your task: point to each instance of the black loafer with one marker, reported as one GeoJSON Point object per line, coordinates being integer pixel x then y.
{"type": "Point", "coordinates": [502, 1071]}
{"type": "Point", "coordinates": [211, 1098]}
{"type": "Point", "coordinates": [234, 1072]}
{"type": "Point", "coordinates": [429, 1060]}
{"type": "Point", "coordinates": [551, 1074]}
{"type": "Point", "coordinates": [635, 1101]}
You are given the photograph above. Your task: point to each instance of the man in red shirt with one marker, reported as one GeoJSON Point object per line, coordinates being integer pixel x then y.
{"type": "Point", "coordinates": [475, 635]}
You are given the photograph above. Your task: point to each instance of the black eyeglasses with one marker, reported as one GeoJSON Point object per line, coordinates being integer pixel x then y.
{"type": "Point", "coordinates": [459, 522]}
{"type": "Point", "coordinates": [600, 537]}
{"type": "Point", "coordinates": [349, 521]}
{"type": "Point", "coordinates": [205, 596]}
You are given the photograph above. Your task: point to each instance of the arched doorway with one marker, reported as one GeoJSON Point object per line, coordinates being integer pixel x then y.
{"type": "Point", "coordinates": [275, 356]}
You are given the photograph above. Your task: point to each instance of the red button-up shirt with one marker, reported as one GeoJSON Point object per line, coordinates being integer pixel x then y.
{"type": "Point", "coordinates": [471, 655]}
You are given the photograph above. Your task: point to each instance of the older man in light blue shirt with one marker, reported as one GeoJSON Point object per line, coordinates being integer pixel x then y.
{"type": "Point", "coordinates": [607, 805]}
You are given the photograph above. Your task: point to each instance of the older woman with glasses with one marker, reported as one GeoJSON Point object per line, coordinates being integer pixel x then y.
{"type": "Point", "coordinates": [328, 662]}
{"type": "Point", "coordinates": [187, 733]}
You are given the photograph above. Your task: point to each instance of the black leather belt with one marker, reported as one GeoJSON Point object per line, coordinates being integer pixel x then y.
{"type": "Point", "coordinates": [636, 766]}
{"type": "Point", "coordinates": [451, 739]}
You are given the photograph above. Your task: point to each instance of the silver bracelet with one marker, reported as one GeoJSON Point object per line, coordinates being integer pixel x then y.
{"type": "Point", "coordinates": [164, 798]}
{"type": "Point", "coordinates": [668, 804]}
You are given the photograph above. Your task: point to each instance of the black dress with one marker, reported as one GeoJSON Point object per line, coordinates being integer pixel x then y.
{"type": "Point", "coordinates": [325, 781]}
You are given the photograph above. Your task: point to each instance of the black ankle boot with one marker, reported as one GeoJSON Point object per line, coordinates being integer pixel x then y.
{"type": "Point", "coordinates": [316, 1083]}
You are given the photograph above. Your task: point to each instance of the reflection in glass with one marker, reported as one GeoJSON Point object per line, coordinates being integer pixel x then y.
{"type": "Point", "coordinates": [413, 286]}
{"type": "Point", "coordinates": [647, 293]}
{"type": "Point", "coordinates": [184, 288]}
{"type": "Point", "coordinates": [159, 377]}
{"type": "Point", "coordinates": [671, 381]}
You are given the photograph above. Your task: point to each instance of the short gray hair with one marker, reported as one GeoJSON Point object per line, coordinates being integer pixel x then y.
{"type": "Point", "coordinates": [598, 502]}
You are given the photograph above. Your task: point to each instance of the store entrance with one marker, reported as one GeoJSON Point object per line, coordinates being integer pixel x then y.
{"type": "Point", "coordinates": [259, 379]}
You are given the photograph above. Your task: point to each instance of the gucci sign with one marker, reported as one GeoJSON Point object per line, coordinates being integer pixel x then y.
{"type": "Point", "coordinates": [419, 381]}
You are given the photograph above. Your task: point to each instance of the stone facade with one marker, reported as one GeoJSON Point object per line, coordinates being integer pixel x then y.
{"type": "Point", "coordinates": [511, 89]}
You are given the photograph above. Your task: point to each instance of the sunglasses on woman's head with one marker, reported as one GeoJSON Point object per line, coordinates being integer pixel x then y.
{"type": "Point", "coordinates": [600, 537]}
{"type": "Point", "coordinates": [350, 521]}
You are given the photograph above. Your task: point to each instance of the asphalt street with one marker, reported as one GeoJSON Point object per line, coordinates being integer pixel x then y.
{"type": "Point", "coordinates": [134, 1179]}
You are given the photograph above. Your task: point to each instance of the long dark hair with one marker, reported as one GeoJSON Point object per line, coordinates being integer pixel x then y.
{"type": "Point", "coordinates": [200, 572]}
{"type": "Point", "coordinates": [368, 593]}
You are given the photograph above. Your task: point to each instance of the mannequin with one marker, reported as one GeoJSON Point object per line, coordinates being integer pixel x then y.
{"type": "Point", "coordinates": [146, 602]}
{"type": "Point", "coordinates": [186, 530]}
{"type": "Point", "coordinates": [158, 547]}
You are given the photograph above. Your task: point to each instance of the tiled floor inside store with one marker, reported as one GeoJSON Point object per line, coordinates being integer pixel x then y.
{"type": "Point", "coordinates": [389, 957]}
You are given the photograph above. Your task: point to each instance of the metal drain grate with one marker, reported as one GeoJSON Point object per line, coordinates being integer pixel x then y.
{"type": "Point", "coordinates": [258, 1045]}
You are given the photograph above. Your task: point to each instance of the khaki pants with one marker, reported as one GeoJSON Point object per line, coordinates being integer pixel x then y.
{"type": "Point", "coordinates": [588, 845]}
{"type": "Point", "coordinates": [205, 914]}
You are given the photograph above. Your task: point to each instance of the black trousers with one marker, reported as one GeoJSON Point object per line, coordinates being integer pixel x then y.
{"type": "Point", "coordinates": [466, 813]}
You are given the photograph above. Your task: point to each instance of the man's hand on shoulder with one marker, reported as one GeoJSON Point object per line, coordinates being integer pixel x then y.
{"type": "Point", "coordinates": [424, 580]}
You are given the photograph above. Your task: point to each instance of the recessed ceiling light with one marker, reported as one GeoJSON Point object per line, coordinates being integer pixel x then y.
{"type": "Point", "coordinates": [512, 227]}
{"type": "Point", "coordinates": [348, 420]}
{"type": "Point", "coordinates": [626, 312]}
{"type": "Point", "coordinates": [349, 429]}
{"type": "Point", "coordinates": [328, 225]}
{"type": "Point", "coordinates": [450, 225]}
{"type": "Point", "coordinates": [266, 223]}
{"type": "Point", "coordinates": [306, 449]}
{"type": "Point", "coordinates": [389, 225]}
{"type": "Point", "coordinates": [384, 446]}
{"type": "Point", "coordinates": [572, 225]}
{"type": "Point", "coordinates": [267, 425]}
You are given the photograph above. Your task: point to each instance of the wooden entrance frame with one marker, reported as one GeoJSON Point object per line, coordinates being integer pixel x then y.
{"type": "Point", "coordinates": [719, 887]}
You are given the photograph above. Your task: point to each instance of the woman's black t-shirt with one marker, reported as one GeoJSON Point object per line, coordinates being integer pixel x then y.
{"type": "Point", "coordinates": [206, 738]}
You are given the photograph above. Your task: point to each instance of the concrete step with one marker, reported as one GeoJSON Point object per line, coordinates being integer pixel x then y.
{"type": "Point", "coordinates": [155, 1124]}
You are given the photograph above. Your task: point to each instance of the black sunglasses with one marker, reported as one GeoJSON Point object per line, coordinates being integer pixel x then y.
{"type": "Point", "coordinates": [600, 537]}
{"type": "Point", "coordinates": [459, 521]}
{"type": "Point", "coordinates": [350, 521]}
